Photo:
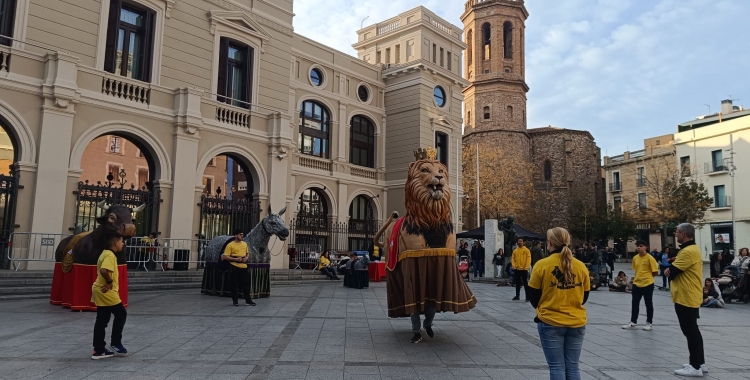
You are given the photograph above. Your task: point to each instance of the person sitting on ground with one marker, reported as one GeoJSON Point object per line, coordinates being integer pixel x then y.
{"type": "Point", "coordinates": [711, 296]}
{"type": "Point", "coordinates": [325, 266]}
{"type": "Point", "coordinates": [620, 283]}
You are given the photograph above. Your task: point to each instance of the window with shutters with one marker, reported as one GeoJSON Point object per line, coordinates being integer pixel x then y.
{"type": "Point", "coordinates": [130, 40]}
{"type": "Point", "coordinates": [7, 15]}
{"type": "Point", "coordinates": [235, 73]}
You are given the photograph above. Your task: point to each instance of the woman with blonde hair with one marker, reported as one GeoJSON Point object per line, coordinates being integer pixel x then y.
{"type": "Point", "coordinates": [558, 289]}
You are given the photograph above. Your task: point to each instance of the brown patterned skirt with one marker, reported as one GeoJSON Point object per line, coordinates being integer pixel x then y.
{"type": "Point", "coordinates": [427, 278]}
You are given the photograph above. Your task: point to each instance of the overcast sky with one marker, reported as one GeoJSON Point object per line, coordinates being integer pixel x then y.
{"type": "Point", "coordinates": [624, 70]}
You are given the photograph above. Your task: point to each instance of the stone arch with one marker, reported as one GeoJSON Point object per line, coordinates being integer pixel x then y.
{"type": "Point", "coordinates": [368, 115]}
{"type": "Point", "coordinates": [245, 156]}
{"type": "Point", "coordinates": [20, 133]}
{"type": "Point", "coordinates": [132, 131]}
{"type": "Point", "coordinates": [331, 110]}
{"type": "Point", "coordinates": [375, 201]}
{"type": "Point", "coordinates": [324, 190]}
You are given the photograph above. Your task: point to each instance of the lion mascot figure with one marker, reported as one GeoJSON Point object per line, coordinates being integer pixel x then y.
{"type": "Point", "coordinates": [423, 275]}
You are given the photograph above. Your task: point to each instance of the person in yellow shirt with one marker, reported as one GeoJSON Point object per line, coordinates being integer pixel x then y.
{"type": "Point", "coordinates": [236, 253]}
{"type": "Point", "coordinates": [105, 295]}
{"type": "Point", "coordinates": [558, 289]}
{"type": "Point", "coordinates": [521, 262]}
{"type": "Point", "coordinates": [686, 274]}
{"type": "Point", "coordinates": [645, 268]}
{"type": "Point", "coordinates": [325, 266]}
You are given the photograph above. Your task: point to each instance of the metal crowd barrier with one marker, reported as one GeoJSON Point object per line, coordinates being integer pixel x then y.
{"type": "Point", "coordinates": [307, 254]}
{"type": "Point", "coordinates": [180, 254]}
{"type": "Point", "coordinates": [33, 246]}
{"type": "Point", "coordinates": [141, 252]}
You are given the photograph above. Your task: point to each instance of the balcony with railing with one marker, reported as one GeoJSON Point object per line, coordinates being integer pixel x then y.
{"type": "Point", "coordinates": [4, 59]}
{"type": "Point", "coordinates": [615, 186]}
{"type": "Point", "coordinates": [312, 162]}
{"type": "Point", "coordinates": [359, 171]}
{"type": "Point", "coordinates": [712, 169]}
{"type": "Point", "coordinates": [722, 202]}
{"type": "Point", "coordinates": [640, 182]}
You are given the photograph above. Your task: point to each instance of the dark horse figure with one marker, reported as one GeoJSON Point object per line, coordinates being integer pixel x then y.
{"type": "Point", "coordinates": [87, 248]}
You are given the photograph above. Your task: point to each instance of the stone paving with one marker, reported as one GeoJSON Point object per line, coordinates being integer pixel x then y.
{"type": "Point", "coordinates": [329, 332]}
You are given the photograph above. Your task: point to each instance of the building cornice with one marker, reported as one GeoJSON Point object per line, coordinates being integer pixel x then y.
{"type": "Point", "coordinates": [423, 65]}
{"type": "Point", "coordinates": [231, 6]}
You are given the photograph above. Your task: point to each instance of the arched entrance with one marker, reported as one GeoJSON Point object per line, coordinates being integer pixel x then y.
{"type": "Point", "coordinates": [118, 168]}
{"type": "Point", "coordinates": [8, 186]}
{"type": "Point", "coordinates": [230, 196]}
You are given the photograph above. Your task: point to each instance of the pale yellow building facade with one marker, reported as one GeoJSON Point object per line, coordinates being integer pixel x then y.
{"type": "Point", "coordinates": [318, 131]}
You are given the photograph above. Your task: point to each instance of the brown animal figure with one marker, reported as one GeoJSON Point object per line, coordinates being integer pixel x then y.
{"type": "Point", "coordinates": [87, 245]}
{"type": "Point", "coordinates": [423, 272]}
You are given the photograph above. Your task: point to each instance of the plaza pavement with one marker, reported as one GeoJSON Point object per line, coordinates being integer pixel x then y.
{"type": "Point", "coordinates": [329, 332]}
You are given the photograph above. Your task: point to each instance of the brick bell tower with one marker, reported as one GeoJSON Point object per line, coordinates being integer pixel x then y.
{"type": "Point", "coordinates": [494, 62]}
{"type": "Point", "coordinates": [495, 100]}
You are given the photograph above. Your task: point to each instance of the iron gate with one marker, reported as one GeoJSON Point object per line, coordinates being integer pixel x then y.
{"type": "Point", "coordinates": [89, 196]}
{"type": "Point", "coordinates": [8, 194]}
{"type": "Point", "coordinates": [343, 236]}
{"type": "Point", "coordinates": [220, 216]}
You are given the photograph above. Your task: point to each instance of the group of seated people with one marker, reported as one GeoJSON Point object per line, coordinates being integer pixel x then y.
{"type": "Point", "coordinates": [353, 266]}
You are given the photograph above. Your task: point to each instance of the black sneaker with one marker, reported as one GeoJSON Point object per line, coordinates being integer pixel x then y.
{"type": "Point", "coordinates": [416, 338]}
{"type": "Point", "coordinates": [527, 300]}
{"type": "Point", "coordinates": [430, 333]}
{"type": "Point", "coordinates": [516, 298]}
{"type": "Point", "coordinates": [236, 304]}
{"type": "Point", "coordinates": [250, 303]}
{"type": "Point", "coordinates": [119, 349]}
{"type": "Point", "coordinates": [102, 354]}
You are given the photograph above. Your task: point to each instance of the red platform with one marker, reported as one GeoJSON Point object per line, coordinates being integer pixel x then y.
{"type": "Point", "coordinates": [377, 271]}
{"type": "Point", "coordinates": [73, 289]}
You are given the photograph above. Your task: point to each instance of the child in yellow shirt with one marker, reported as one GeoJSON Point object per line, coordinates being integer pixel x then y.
{"type": "Point", "coordinates": [105, 294]}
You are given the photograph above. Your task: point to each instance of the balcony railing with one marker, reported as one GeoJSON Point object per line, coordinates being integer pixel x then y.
{"type": "Point", "coordinates": [710, 168]}
{"type": "Point", "coordinates": [388, 27]}
{"type": "Point", "coordinates": [640, 182]}
{"type": "Point", "coordinates": [615, 186]}
{"type": "Point", "coordinates": [723, 202]}
{"type": "Point", "coordinates": [364, 172]}
{"type": "Point", "coordinates": [311, 162]}
{"type": "Point", "coordinates": [4, 58]}
{"type": "Point", "coordinates": [233, 115]}
{"type": "Point", "coordinates": [123, 88]}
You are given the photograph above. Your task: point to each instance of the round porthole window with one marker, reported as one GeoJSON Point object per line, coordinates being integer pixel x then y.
{"type": "Point", "coordinates": [316, 77]}
{"type": "Point", "coordinates": [363, 93]}
{"type": "Point", "coordinates": [439, 95]}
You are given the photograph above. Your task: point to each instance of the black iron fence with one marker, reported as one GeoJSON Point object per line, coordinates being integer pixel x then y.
{"type": "Point", "coordinates": [342, 236]}
{"type": "Point", "coordinates": [8, 194]}
{"type": "Point", "coordinates": [89, 196]}
{"type": "Point", "coordinates": [220, 215]}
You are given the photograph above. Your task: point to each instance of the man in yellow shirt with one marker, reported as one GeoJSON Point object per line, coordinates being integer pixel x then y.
{"type": "Point", "coordinates": [236, 253]}
{"type": "Point", "coordinates": [645, 268]}
{"type": "Point", "coordinates": [686, 274]}
{"type": "Point", "coordinates": [521, 261]}
{"type": "Point", "coordinates": [105, 295]}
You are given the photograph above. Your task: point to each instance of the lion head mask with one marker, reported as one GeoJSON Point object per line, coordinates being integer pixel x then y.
{"type": "Point", "coordinates": [428, 196]}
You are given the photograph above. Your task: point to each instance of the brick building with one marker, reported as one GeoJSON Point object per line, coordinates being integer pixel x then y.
{"type": "Point", "coordinates": [565, 162]}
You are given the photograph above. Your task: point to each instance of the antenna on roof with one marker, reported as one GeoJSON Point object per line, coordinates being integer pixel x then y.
{"type": "Point", "coordinates": [361, 24]}
{"type": "Point", "coordinates": [709, 108]}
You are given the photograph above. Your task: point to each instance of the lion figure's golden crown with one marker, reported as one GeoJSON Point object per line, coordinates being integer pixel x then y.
{"type": "Point", "coordinates": [423, 154]}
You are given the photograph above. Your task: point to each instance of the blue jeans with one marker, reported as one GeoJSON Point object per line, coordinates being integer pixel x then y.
{"type": "Point", "coordinates": [710, 303]}
{"type": "Point", "coordinates": [562, 349]}
{"type": "Point", "coordinates": [478, 268]}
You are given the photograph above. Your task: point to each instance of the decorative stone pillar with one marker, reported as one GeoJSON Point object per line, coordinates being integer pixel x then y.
{"type": "Point", "coordinates": [188, 122]}
{"type": "Point", "coordinates": [60, 93]}
{"type": "Point", "coordinates": [343, 132]}
{"type": "Point", "coordinates": [493, 240]}
{"type": "Point", "coordinates": [280, 143]}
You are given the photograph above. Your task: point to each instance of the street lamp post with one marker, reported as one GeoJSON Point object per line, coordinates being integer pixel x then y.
{"type": "Point", "coordinates": [732, 170]}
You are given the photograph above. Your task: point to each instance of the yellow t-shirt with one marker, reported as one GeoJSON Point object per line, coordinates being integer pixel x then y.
{"type": "Point", "coordinates": [561, 304]}
{"type": "Point", "coordinates": [108, 261]}
{"type": "Point", "coordinates": [324, 263]}
{"type": "Point", "coordinates": [687, 288]}
{"type": "Point", "coordinates": [236, 249]}
{"type": "Point", "coordinates": [521, 258]}
{"type": "Point", "coordinates": [644, 267]}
